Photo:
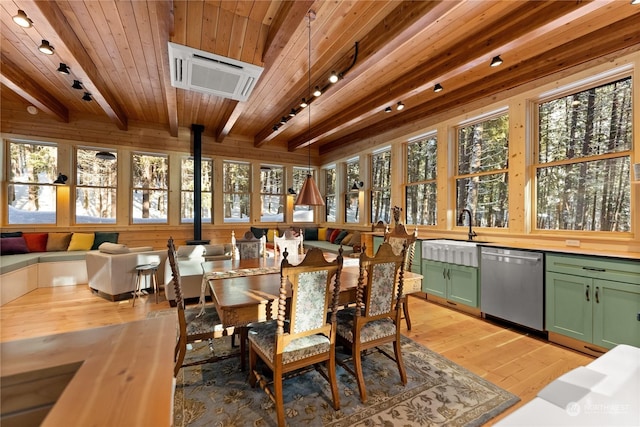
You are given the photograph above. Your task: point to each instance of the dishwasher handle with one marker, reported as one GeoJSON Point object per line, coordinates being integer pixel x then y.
{"type": "Point", "coordinates": [495, 257]}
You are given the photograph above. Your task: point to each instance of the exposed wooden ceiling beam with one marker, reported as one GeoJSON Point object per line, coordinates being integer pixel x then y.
{"type": "Point", "coordinates": [49, 12]}
{"type": "Point", "coordinates": [622, 35]}
{"type": "Point", "coordinates": [27, 88]}
{"type": "Point", "coordinates": [457, 59]}
{"type": "Point", "coordinates": [162, 13]}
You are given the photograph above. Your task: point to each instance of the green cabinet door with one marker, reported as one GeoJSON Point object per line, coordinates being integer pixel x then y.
{"type": "Point", "coordinates": [568, 305]}
{"type": "Point", "coordinates": [463, 284]}
{"type": "Point", "coordinates": [416, 265]}
{"type": "Point", "coordinates": [434, 278]}
{"type": "Point", "coordinates": [616, 313]}
{"type": "Point", "coordinates": [377, 241]}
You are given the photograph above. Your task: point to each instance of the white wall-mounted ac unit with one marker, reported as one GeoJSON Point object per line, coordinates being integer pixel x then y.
{"type": "Point", "coordinates": [206, 72]}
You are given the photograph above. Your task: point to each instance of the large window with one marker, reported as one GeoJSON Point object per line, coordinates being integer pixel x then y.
{"type": "Point", "coordinates": [187, 205]}
{"type": "Point", "coordinates": [584, 156]}
{"type": "Point", "coordinates": [482, 178]}
{"type": "Point", "coordinates": [150, 188]}
{"type": "Point", "coordinates": [351, 198]}
{"type": "Point", "coordinates": [272, 193]}
{"type": "Point", "coordinates": [381, 186]}
{"type": "Point", "coordinates": [96, 186]}
{"type": "Point", "coordinates": [301, 213]}
{"type": "Point", "coordinates": [32, 169]}
{"type": "Point", "coordinates": [236, 186]}
{"type": "Point", "coordinates": [421, 196]}
{"type": "Point", "coordinates": [330, 194]}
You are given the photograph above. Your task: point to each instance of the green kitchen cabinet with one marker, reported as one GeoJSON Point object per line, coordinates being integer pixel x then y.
{"type": "Point", "coordinates": [416, 266]}
{"type": "Point", "coordinates": [592, 299]}
{"type": "Point", "coordinates": [457, 283]}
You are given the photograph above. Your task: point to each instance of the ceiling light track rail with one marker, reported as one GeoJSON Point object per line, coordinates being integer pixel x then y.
{"type": "Point", "coordinates": [317, 93]}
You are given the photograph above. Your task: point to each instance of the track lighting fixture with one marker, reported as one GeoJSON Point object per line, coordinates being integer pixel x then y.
{"type": "Point", "coordinates": [303, 104]}
{"type": "Point", "coordinates": [333, 78]}
{"type": "Point", "coordinates": [438, 88]}
{"type": "Point", "coordinates": [292, 113]}
{"type": "Point", "coordinates": [387, 110]}
{"type": "Point", "coordinates": [283, 120]}
{"type": "Point", "coordinates": [87, 97]}
{"type": "Point", "coordinates": [22, 19]}
{"type": "Point", "coordinates": [291, 191]}
{"type": "Point", "coordinates": [496, 61]}
{"type": "Point", "coordinates": [399, 106]}
{"type": "Point", "coordinates": [76, 84]}
{"type": "Point", "coordinates": [63, 68]}
{"type": "Point", "coordinates": [317, 92]}
{"type": "Point", "coordinates": [61, 179]}
{"type": "Point", "coordinates": [275, 128]}
{"type": "Point", "coordinates": [105, 155]}
{"type": "Point", "coordinates": [46, 48]}
{"type": "Point", "coordinates": [635, 1]}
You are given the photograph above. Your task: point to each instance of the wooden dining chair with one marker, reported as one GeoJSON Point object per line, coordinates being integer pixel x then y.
{"type": "Point", "coordinates": [303, 333]}
{"type": "Point", "coordinates": [194, 325]}
{"type": "Point", "coordinates": [289, 242]}
{"type": "Point", "coordinates": [375, 318]}
{"type": "Point", "coordinates": [250, 247]}
{"type": "Point", "coordinates": [398, 238]}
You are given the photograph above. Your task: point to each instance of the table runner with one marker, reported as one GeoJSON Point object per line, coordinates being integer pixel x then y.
{"type": "Point", "coordinates": [240, 272]}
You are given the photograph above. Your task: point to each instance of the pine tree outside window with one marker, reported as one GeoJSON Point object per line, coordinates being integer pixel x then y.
{"type": "Point", "coordinates": [150, 189]}
{"type": "Point", "coordinates": [187, 205]}
{"type": "Point", "coordinates": [96, 187]}
{"type": "Point", "coordinates": [381, 186]}
{"type": "Point", "coordinates": [421, 191]}
{"type": "Point", "coordinates": [302, 213]}
{"type": "Point", "coordinates": [330, 194]}
{"type": "Point", "coordinates": [236, 187]}
{"type": "Point", "coordinates": [351, 198]}
{"type": "Point", "coordinates": [272, 193]}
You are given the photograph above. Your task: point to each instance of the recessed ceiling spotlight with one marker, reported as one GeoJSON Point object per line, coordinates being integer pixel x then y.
{"type": "Point", "coordinates": [333, 78]}
{"type": "Point", "coordinates": [317, 92]}
{"type": "Point", "coordinates": [32, 110]}
{"type": "Point", "coordinates": [76, 84]}
{"type": "Point", "coordinates": [399, 106]}
{"type": "Point", "coordinates": [22, 19]}
{"type": "Point", "coordinates": [63, 68]}
{"type": "Point", "coordinates": [496, 61]}
{"type": "Point", "coordinates": [46, 48]}
{"type": "Point", "coordinates": [438, 88]}
{"type": "Point", "coordinates": [87, 97]}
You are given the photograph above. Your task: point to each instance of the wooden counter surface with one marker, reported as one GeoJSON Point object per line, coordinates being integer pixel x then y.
{"type": "Point", "coordinates": [124, 374]}
{"type": "Point", "coordinates": [566, 250]}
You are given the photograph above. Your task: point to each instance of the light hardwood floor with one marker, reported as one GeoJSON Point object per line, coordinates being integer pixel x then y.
{"type": "Point", "coordinates": [510, 358]}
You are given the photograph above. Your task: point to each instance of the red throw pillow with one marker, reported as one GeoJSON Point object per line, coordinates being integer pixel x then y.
{"type": "Point", "coordinates": [36, 242]}
{"type": "Point", "coordinates": [334, 235]}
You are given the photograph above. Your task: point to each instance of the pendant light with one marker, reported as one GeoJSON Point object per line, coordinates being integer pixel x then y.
{"type": "Point", "coordinates": [309, 194]}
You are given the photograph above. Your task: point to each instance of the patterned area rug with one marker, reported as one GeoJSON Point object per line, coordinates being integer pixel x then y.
{"type": "Point", "coordinates": [438, 393]}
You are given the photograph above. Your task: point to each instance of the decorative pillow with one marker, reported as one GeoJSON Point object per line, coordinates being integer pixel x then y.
{"type": "Point", "coordinates": [190, 251]}
{"type": "Point", "coordinates": [340, 237]}
{"type": "Point", "coordinates": [36, 242]}
{"type": "Point", "coordinates": [13, 245]}
{"type": "Point", "coordinates": [113, 248]}
{"type": "Point", "coordinates": [259, 232]}
{"type": "Point", "coordinates": [329, 233]}
{"type": "Point", "coordinates": [311, 233]}
{"type": "Point", "coordinates": [334, 235]}
{"type": "Point", "coordinates": [58, 241]}
{"type": "Point", "coordinates": [322, 233]}
{"type": "Point", "coordinates": [81, 242]}
{"type": "Point", "coordinates": [11, 234]}
{"type": "Point", "coordinates": [356, 239]}
{"type": "Point", "coordinates": [101, 237]}
{"type": "Point", "coordinates": [347, 239]}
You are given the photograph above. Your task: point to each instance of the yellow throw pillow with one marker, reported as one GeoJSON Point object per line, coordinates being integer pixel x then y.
{"type": "Point", "coordinates": [271, 234]}
{"type": "Point", "coordinates": [81, 242]}
{"type": "Point", "coordinates": [322, 233]}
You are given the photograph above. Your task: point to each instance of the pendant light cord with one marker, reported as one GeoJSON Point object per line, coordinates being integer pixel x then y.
{"type": "Point", "coordinates": [310, 15]}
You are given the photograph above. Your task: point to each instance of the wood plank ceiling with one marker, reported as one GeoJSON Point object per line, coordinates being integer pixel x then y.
{"type": "Point", "coordinates": [118, 51]}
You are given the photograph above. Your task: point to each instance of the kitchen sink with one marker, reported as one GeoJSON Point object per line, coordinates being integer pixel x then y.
{"type": "Point", "coordinates": [451, 251]}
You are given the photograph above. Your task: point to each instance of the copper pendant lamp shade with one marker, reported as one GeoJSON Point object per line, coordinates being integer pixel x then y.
{"type": "Point", "coordinates": [309, 194]}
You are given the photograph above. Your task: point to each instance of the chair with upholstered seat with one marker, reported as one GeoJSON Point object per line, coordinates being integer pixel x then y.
{"type": "Point", "coordinates": [250, 247]}
{"type": "Point", "coordinates": [375, 318]}
{"type": "Point", "coordinates": [398, 238]}
{"type": "Point", "coordinates": [303, 334]}
{"type": "Point", "coordinates": [289, 242]}
{"type": "Point", "coordinates": [194, 325]}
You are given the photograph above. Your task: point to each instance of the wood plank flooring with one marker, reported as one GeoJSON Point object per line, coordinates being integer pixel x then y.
{"type": "Point", "coordinates": [513, 359]}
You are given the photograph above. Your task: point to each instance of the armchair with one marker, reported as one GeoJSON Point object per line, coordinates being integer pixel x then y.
{"type": "Point", "coordinates": [114, 275]}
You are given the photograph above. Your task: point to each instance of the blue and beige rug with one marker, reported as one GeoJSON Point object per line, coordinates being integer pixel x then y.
{"type": "Point", "coordinates": [438, 393]}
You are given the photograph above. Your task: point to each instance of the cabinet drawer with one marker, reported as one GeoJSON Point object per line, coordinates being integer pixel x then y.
{"type": "Point", "coordinates": [626, 271]}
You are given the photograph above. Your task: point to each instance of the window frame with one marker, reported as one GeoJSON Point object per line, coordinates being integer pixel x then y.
{"type": "Point", "coordinates": [297, 186]}
{"type": "Point", "coordinates": [246, 195]}
{"type": "Point", "coordinates": [113, 188]}
{"type": "Point", "coordinates": [331, 194]}
{"type": "Point", "coordinates": [280, 194]}
{"type": "Point", "coordinates": [431, 182]}
{"type": "Point", "coordinates": [160, 190]}
{"type": "Point", "coordinates": [350, 194]}
{"type": "Point", "coordinates": [385, 213]}
{"type": "Point", "coordinates": [203, 193]}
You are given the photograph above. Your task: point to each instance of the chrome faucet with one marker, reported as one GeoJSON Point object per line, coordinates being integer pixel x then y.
{"type": "Point", "coordinates": [472, 233]}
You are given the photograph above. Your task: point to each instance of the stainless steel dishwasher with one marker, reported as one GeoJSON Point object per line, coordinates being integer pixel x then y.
{"type": "Point", "coordinates": [512, 286]}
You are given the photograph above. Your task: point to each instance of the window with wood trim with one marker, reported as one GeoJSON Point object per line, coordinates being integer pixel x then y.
{"type": "Point", "coordinates": [421, 192]}
{"type": "Point", "coordinates": [150, 188]}
{"type": "Point", "coordinates": [381, 186]}
{"type": "Point", "coordinates": [272, 193]}
{"type": "Point", "coordinates": [96, 187]}
{"type": "Point", "coordinates": [330, 197]}
{"type": "Point", "coordinates": [583, 160]}
{"type": "Point", "coordinates": [352, 195]}
{"type": "Point", "coordinates": [236, 188]}
{"type": "Point", "coordinates": [187, 195]}
{"type": "Point", "coordinates": [302, 213]}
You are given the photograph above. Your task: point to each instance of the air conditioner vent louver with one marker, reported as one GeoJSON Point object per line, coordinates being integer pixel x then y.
{"type": "Point", "coordinates": [193, 69]}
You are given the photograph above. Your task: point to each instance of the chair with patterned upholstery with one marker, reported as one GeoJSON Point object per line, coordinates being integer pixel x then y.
{"type": "Point", "coordinates": [303, 334]}
{"type": "Point", "coordinates": [375, 318]}
{"type": "Point", "coordinates": [398, 237]}
{"type": "Point", "coordinates": [193, 326]}
{"type": "Point", "coordinates": [289, 242]}
{"type": "Point", "coordinates": [250, 247]}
